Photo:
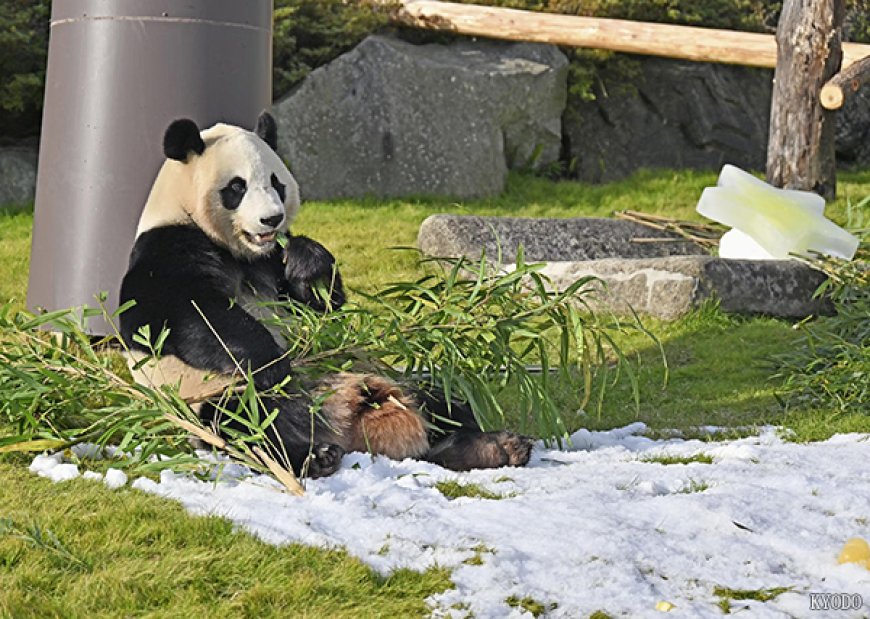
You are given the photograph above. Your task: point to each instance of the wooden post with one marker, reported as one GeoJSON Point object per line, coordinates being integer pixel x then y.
{"type": "Point", "coordinates": [800, 150]}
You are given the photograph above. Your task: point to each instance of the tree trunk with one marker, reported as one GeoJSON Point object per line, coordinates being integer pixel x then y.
{"type": "Point", "coordinates": [800, 150]}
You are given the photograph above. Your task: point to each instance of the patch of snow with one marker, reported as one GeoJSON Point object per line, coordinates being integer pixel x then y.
{"type": "Point", "coordinates": [43, 463]}
{"type": "Point", "coordinates": [53, 467]}
{"type": "Point", "coordinates": [115, 478]}
{"type": "Point", "coordinates": [62, 472]}
{"type": "Point", "coordinates": [145, 485]}
{"type": "Point", "coordinates": [600, 527]}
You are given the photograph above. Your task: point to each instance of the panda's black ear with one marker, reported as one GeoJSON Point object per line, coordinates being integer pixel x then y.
{"type": "Point", "coordinates": [182, 137]}
{"type": "Point", "coordinates": [267, 129]}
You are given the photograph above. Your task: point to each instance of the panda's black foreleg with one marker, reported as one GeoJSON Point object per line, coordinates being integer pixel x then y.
{"type": "Point", "coordinates": [295, 439]}
{"type": "Point", "coordinates": [323, 460]}
{"type": "Point", "coordinates": [302, 439]}
{"type": "Point", "coordinates": [206, 331]}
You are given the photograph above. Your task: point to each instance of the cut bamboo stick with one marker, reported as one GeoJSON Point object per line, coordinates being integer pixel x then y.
{"type": "Point", "coordinates": [633, 37]}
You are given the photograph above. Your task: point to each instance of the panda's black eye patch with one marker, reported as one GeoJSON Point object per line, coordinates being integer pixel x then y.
{"type": "Point", "coordinates": [232, 194]}
{"type": "Point", "coordinates": [279, 187]}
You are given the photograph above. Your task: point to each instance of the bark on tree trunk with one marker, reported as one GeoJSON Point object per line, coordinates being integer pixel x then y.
{"type": "Point", "coordinates": [800, 150]}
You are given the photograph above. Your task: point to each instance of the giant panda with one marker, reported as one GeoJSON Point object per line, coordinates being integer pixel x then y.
{"type": "Point", "coordinates": [205, 259]}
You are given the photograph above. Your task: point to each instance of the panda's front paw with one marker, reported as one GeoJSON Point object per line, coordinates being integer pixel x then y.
{"type": "Point", "coordinates": [324, 460]}
{"type": "Point", "coordinates": [311, 274]}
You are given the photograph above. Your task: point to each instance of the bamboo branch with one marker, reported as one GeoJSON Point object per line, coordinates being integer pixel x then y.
{"type": "Point", "coordinates": [208, 392]}
{"type": "Point", "coordinates": [284, 476]}
{"type": "Point", "coordinates": [845, 83]}
{"type": "Point", "coordinates": [705, 235]}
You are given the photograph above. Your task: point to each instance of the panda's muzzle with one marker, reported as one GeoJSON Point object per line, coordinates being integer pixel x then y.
{"type": "Point", "coordinates": [265, 238]}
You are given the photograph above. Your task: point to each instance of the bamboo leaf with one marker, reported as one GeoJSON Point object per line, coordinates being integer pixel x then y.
{"type": "Point", "coordinates": [23, 444]}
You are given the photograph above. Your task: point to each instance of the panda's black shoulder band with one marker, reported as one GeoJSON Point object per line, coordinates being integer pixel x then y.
{"type": "Point", "coordinates": [267, 130]}
{"type": "Point", "coordinates": [182, 137]}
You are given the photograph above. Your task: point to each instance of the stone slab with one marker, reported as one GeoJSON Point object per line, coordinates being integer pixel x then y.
{"type": "Point", "coordinates": [671, 287]}
{"type": "Point", "coordinates": [665, 279]}
{"type": "Point", "coordinates": [542, 239]}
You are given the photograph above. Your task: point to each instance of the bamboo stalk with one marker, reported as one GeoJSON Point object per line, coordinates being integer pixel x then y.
{"type": "Point", "coordinates": [208, 392]}
{"type": "Point", "coordinates": [286, 477]}
{"type": "Point", "coordinates": [655, 239]}
{"type": "Point", "coordinates": [633, 37]}
{"type": "Point", "coordinates": [201, 433]}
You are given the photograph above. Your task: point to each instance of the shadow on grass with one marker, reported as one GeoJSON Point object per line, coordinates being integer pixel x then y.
{"type": "Point", "coordinates": [719, 375]}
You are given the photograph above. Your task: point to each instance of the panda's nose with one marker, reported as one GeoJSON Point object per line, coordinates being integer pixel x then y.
{"type": "Point", "coordinates": [272, 221]}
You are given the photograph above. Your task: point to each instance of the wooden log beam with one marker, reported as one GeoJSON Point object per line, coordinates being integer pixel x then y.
{"type": "Point", "coordinates": [619, 35]}
{"type": "Point", "coordinates": [845, 83]}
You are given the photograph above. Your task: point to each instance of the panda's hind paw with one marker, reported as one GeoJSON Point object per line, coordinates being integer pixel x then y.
{"type": "Point", "coordinates": [468, 450]}
{"type": "Point", "coordinates": [325, 459]}
{"type": "Point", "coordinates": [517, 447]}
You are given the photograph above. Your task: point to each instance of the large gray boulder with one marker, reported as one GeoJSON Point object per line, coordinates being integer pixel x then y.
{"type": "Point", "coordinates": [394, 119]}
{"type": "Point", "coordinates": [679, 114]}
{"type": "Point", "coordinates": [17, 176]}
{"type": "Point", "coordinates": [674, 114]}
{"type": "Point", "coordinates": [853, 130]}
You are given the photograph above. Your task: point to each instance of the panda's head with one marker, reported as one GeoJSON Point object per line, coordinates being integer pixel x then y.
{"type": "Point", "coordinates": [226, 180]}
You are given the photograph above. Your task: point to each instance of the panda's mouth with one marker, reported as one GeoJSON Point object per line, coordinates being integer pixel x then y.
{"type": "Point", "coordinates": [262, 239]}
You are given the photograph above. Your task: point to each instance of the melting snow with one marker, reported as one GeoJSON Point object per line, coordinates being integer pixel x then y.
{"type": "Point", "coordinates": [601, 527]}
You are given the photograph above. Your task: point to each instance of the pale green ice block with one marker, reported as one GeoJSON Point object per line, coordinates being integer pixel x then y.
{"type": "Point", "coordinates": [782, 221]}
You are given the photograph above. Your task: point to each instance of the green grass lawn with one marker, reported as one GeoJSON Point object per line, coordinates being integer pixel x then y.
{"type": "Point", "coordinates": [76, 549]}
{"type": "Point", "coordinates": [122, 553]}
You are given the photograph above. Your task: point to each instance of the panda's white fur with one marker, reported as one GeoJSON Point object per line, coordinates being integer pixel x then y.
{"type": "Point", "coordinates": [204, 259]}
{"type": "Point", "coordinates": [183, 193]}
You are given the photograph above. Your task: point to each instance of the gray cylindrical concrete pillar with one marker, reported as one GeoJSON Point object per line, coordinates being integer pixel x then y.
{"type": "Point", "coordinates": [118, 74]}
